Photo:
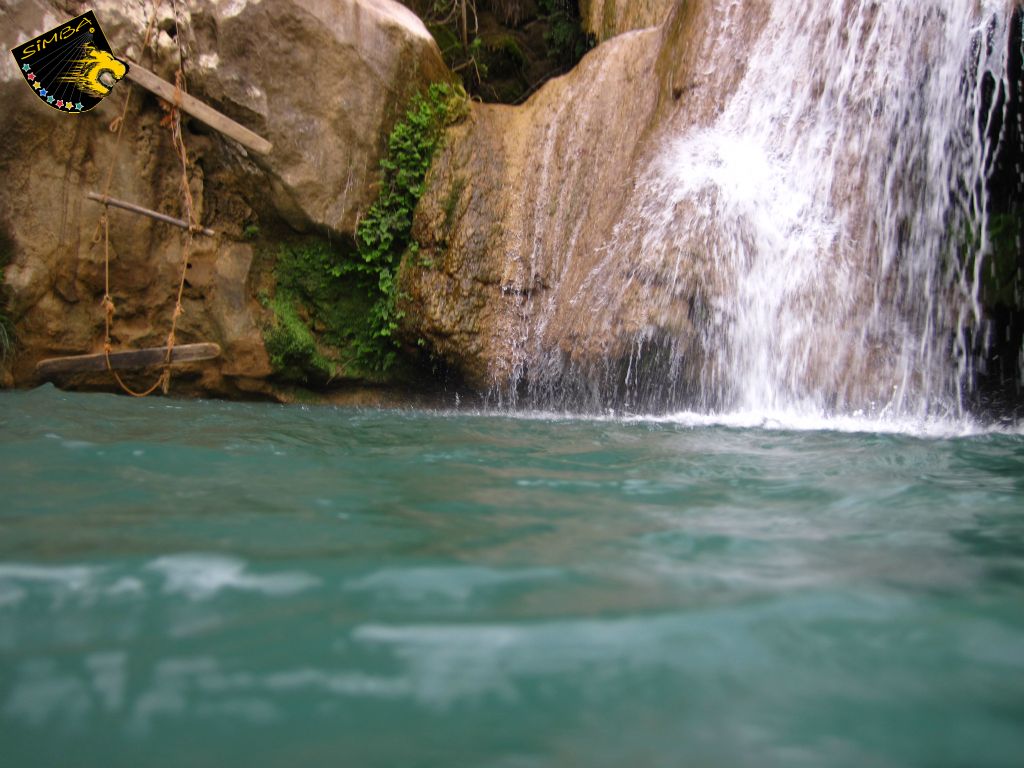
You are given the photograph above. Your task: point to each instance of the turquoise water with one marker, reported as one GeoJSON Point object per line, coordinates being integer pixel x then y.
{"type": "Point", "coordinates": [224, 584]}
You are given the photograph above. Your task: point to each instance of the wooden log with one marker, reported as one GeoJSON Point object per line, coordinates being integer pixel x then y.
{"type": "Point", "coordinates": [108, 200]}
{"type": "Point", "coordinates": [166, 91]}
{"type": "Point", "coordinates": [136, 358]}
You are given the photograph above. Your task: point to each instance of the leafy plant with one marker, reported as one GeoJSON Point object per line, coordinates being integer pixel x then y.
{"type": "Point", "coordinates": [319, 320]}
{"type": "Point", "coordinates": [350, 298]}
{"type": "Point", "coordinates": [385, 232]}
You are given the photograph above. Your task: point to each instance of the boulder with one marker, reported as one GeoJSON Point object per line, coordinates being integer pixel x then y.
{"type": "Point", "coordinates": [324, 81]}
{"type": "Point", "coordinates": [527, 275]}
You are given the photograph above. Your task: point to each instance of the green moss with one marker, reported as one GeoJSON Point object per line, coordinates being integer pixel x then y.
{"type": "Point", "coordinates": [6, 337]}
{"type": "Point", "coordinates": [451, 202]}
{"type": "Point", "coordinates": [447, 40]}
{"type": "Point", "coordinates": [291, 345]}
{"type": "Point", "coordinates": [319, 320]}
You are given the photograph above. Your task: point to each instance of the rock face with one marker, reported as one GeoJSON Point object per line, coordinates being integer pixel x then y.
{"type": "Point", "coordinates": [327, 82]}
{"type": "Point", "coordinates": [607, 18]}
{"type": "Point", "coordinates": [523, 204]}
{"type": "Point", "coordinates": [517, 194]}
{"type": "Point", "coordinates": [324, 81]}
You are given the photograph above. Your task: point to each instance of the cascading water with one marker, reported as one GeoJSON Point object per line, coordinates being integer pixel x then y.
{"type": "Point", "coordinates": [818, 246]}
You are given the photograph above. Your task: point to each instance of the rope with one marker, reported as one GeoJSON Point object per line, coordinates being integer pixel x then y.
{"type": "Point", "coordinates": [179, 146]}
{"type": "Point", "coordinates": [178, 39]}
{"type": "Point", "coordinates": [108, 307]}
{"type": "Point", "coordinates": [117, 125]}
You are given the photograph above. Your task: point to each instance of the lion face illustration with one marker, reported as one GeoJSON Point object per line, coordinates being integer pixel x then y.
{"type": "Point", "coordinates": [96, 73]}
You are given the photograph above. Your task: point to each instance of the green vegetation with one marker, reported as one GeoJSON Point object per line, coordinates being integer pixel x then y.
{"type": "Point", "coordinates": [566, 41]}
{"type": "Point", "coordinates": [291, 345]}
{"type": "Point", "coordinates": [319, 330]}
{"type": "Point", "coordinates": [385, 232]}
{"type": "Point", "coordinates": [335, 310]}
{"type": "Point", "coordinates": [505, 49]}
{"type": "Point", "coordinates": [451, 202]}
{"type": "Point", "coordinates": [504, 55]}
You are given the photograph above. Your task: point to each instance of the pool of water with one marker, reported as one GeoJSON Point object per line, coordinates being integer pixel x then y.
{"type": "Point", "coordinates": [226, 584]}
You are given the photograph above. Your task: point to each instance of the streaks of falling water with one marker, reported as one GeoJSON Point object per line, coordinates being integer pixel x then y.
{"type": "Point", "coordinates": [831, 222]}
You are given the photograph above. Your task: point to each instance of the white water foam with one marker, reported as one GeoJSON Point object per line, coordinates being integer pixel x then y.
{"type": "Point", "coordinates": [203, 576]}
{"type": "Point", "coordinates": [856, 422]}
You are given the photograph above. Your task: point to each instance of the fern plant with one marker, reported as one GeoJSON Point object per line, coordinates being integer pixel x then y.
{"type": "Point", "coordinates": [385, 232]}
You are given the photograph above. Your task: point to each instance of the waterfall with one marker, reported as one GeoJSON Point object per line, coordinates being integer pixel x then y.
{"type": "Point", "coordinates": [818, 245]}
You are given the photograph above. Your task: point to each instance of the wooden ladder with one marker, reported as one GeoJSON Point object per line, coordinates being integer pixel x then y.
{"type": "Point", "coordinates": [181, 353]}
{"type": "Point", "coordinates": [135, 358]}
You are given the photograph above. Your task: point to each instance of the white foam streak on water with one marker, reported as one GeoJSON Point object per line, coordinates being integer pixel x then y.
{"type": "Point", "coordinates": [789, 421]}
{"type": "Point", "coordinates": [203, 576]}
{"type": "Point", "coordinates": [197, 577]}
{"type": "Point", "coordinates": [857, 422]}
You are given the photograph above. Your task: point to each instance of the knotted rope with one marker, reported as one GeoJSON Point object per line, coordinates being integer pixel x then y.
{"type": "Point", "coordinates": [117, 126]}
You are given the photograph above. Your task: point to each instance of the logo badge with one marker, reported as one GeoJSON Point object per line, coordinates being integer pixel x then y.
{"type": "Point", "coordinates": [71, 67]}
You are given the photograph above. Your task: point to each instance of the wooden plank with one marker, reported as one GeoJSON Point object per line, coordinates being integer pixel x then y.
{"type": "Point", "coordinates": [136, 358]}
{"type": "Point", "coordinates": [108, 200]}
{"type": "Point", "coordinates": [166, 91]}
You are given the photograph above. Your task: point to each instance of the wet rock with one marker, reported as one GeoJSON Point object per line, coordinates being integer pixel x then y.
{"type": "Point", "coordinates": [607, 18]}
{"type": "Point", "coordinates": [520, 212]}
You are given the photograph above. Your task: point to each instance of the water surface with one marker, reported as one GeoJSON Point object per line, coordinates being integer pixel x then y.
{"type": "Point", "coordinates": [225, 584]}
